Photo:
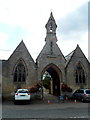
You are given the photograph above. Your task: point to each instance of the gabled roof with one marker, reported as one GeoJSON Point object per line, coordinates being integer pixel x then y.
{"type": "Point", "coordinates": [68, 57]}
{"type": "Point", "coordinates": [21, 48]}
{"type": "Point", "coordinates": [47, 53]}
{"type": "Point", "coordinates": [71, 55]}
{"type": "Point", "coordinates": [51, 48]}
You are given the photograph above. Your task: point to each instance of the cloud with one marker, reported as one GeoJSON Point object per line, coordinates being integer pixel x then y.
{"type": "Point", "coordinates": [3, 38]}
{"type": "Point", "coordinates": [75, 21]}
{"type": "Point", "coordinates": [73, 30]}
{"type": "Point", "coordinates": [26, 19]}
{"type": "Point", "coordinates": [70, 45]}
{"type": "Point", "coordinates": [25, 12]}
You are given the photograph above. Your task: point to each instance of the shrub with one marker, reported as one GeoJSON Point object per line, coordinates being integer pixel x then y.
{"type": "Point", "coordinates": [66, 88]}
{"type": "Point", "coordinates": [35, 88]}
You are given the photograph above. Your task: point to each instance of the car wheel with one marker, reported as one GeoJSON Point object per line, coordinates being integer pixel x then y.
{"type": "Point", "coordinates": [82, 99]}
{"type": "Point", "coordinates": [15, 102]}
{"type": "Point", "coordinates": [28, 101]}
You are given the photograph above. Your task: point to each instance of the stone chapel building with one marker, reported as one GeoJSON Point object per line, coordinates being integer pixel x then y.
{"type": "Point", "coordinates": [20, 70]}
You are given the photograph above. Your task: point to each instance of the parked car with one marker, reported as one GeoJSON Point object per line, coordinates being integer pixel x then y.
{"type": "Point", "coordinates": [22, 95]}
{"type": "Point", "coordinates": [82, 94]}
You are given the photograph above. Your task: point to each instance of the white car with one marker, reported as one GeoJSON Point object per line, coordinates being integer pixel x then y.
{"type": "Point", "coordinates": [22, 95]}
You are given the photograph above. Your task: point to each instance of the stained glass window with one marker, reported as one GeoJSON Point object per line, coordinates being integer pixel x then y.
{"type": "Point", "coordinates": [80, 75]}
{"type": "Point", "coordinates": [20, 72]}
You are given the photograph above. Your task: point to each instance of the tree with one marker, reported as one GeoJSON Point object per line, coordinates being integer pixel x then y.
{"type": "Point", "coordinates": [46, 80]}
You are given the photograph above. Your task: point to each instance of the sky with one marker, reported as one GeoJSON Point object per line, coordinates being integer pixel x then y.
{"type": "Point", "coordinates": [26, 19]}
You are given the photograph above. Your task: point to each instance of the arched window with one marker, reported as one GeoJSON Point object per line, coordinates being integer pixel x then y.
{"type": "Point", "coordinates": [20, 72]}
{"type": "Point", "coordinates": [80, 75]}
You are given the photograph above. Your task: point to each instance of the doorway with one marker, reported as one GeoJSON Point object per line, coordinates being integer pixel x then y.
{"type": "Point", "coordinates": [53, 81]}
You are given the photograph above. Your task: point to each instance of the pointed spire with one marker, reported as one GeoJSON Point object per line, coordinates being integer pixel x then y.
{"type": "Point", "coordinates": [51, 25]}
{"type": "Point", "coordinates": [21, 40]}
{"type": "Point", "coordinates": [51, 16]}
{"type": "Point", "coordinates": [77, 45]}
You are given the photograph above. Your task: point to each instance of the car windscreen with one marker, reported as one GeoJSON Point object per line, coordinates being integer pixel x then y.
{"type": "Point", "coordinates": [23, 91]}
{"type": "Point", "coordinates": [88, 91]}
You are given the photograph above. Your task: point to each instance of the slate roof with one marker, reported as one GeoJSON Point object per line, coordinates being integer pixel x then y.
{"type": "Point", "coordinates": [68, 57]}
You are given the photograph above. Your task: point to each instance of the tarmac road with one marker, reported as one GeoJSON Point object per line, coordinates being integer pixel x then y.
{"type": "Point", "coordinates": [44, 110]}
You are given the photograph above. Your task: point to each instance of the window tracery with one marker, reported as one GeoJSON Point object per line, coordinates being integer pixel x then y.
{"type": "Point", "coordinates": [20, 72]}
{"type": "Point", "coordinates": [80, 75]}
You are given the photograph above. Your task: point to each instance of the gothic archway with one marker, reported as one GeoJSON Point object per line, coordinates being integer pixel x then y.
{"type": "Point", "coordinates": [56, 76]}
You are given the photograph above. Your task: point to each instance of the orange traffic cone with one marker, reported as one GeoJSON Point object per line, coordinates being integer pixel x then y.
{"type": "Point", "coordinates": [49, 102]}
{"type": "Point", "coordinates": [75, 101]}
{"type": "Point", "coordinates": [66, 98]}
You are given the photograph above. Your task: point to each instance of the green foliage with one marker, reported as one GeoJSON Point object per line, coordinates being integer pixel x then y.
{"type": "Point", "coordinates": [46, 81]}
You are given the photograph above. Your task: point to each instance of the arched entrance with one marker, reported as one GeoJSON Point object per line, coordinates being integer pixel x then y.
{"type": "Point", "coordinates": [55, 74]}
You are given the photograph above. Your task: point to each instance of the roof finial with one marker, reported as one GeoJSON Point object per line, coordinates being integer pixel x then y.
{"type": "Point", "coordinates": [21, 40]}
{"type": "Point", "coordinates": [51, 10]}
